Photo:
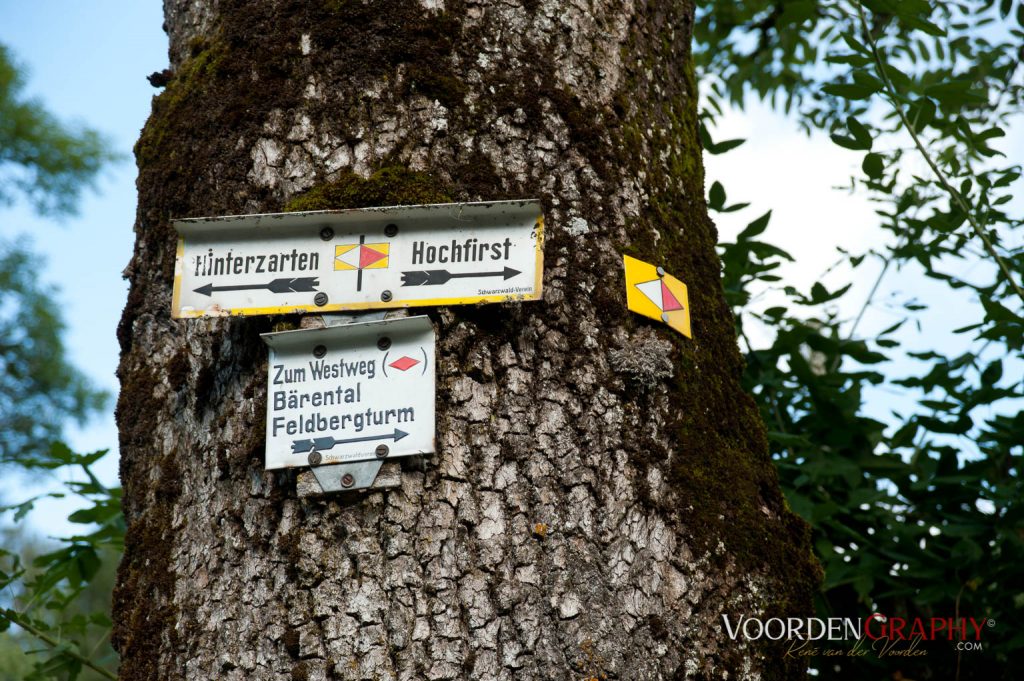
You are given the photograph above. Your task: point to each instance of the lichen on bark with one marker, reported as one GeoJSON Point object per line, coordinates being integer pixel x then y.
{"type": "Point", "coordinates": [651, 482]}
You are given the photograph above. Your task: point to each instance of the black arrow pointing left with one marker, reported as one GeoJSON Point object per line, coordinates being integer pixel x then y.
{"type": "Point", "coordinates": [285, 285]}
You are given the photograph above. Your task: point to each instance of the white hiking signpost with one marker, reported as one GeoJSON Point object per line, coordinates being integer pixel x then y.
{"type": "Point", "coordinates": [345, 398]}
{"type": "Point", "coordinates": [356, 394]}
{"type": "Point", "coordinates": [359, 259]}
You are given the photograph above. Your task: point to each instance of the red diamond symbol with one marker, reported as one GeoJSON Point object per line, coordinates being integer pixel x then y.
{"type": "Point", "coordinates": [404, 363]}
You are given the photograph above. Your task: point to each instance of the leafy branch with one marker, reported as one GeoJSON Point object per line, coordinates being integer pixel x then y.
{"type": "Point", "coordinates": [918, 510]}
{"type": "Point", "coordinates": [48, 596]}
{"type": "Point", "coordinates": [60, 648]}
{"type": "Point", "coordinates": [897, 106]}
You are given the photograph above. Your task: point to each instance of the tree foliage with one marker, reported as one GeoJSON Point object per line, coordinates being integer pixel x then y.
{"type": "Point", "coordinates": [41, 158]}
{"type": "Point", "coordinates": [40, 391]}
{"type": "Point", "coordinates": [55, 597]}
{"type": "Point", "coordinates": [48, 597]}
{"type": "Point", "coordinates": [919, 514]}
{"type": "Point", "coordinates": [48, 164]}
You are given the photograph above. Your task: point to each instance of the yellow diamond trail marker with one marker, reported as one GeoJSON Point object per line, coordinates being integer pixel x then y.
{"type": "Point", "coordinates": [655, 294]}
{"type": "Point", "coordinates": [358, 259]}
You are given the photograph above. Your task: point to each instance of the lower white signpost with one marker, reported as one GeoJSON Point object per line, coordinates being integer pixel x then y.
{"type": "Point", "coordinates": [344, 399]}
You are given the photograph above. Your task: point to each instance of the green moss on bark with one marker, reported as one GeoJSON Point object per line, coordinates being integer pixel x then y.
{"type": "Point", "coordinates": [724, 484]}
{"type": "Point", "coordinates": [389, 186]}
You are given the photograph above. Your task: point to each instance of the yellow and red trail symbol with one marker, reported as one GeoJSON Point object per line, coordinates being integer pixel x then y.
{"type": "Point", "coordinates": [361, 256]}
{"type": "Point", "coordinates": [655, 294]}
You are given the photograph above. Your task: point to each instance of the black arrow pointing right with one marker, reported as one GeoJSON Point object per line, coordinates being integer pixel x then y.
{"type": "Point", "coordinates": [324, 443]}
{"type": "Point", "coordinates": [437, 277]}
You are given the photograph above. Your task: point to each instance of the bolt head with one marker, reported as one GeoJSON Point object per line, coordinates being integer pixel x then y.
{"type": "Point", "coordinates": [383, 343]}
{"type": "Point", "coordinates": [347, 480]}
{"type": "Point", "coordinates": [319, 351]}
{"type": "Point", "coordinates": [326, 233]}
{"type": "Point", "coordinates": [391, 230]}
{"type": "Point", "coordinates": [661, 271]}
{"type": "Point", "coordinates": [381, 451]}
{"type": "Point", "coordinates": [315, 458]}
{"type": "Point", "coordinates": [320, 299]}
{"type": "Point", "coordinates": [386, 296]}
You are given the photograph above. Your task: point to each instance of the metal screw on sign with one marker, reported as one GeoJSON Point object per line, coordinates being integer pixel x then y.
{"type": "Point", "coordinates": [326, 233]}
{"type": "Point", "coordinates": [320, 299]}
{"type": "Point", "coordinates": [661, 271]}
{"type": "Point", "coordinates": [391, 230]}
{"type": "Point", "coordinates": [381, 451]}
{"type": "Point", "coordinates": [315, 458]}
{"type": "Point", "coordinates": [319, 351]}
{"type": "Point", "coordinates": [347, 480]}
{"type": "Point", "coordinates": [383, 343]}
{"type": "Point", "coordinates": [386, 296]}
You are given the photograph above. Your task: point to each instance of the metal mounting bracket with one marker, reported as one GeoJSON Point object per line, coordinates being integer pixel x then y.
{"type": "Point", "coordinates": [344, 477]}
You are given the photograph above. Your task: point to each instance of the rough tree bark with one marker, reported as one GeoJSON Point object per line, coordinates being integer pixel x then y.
{"type": "Point", "coordinates": [602, 492]}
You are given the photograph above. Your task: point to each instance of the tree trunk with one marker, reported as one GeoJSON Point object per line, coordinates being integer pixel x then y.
{"type": "Point", "coordinates": [602, 492]}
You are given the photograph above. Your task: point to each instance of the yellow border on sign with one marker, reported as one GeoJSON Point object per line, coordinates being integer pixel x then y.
{"type": "Point", "coordinates": [538, 283]}
{"type": "Point", "coordinates": [538, 292]}
{"type": "Point", "coordinates": [179, 265]}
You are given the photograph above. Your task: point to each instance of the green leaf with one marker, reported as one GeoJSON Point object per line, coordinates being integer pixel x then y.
{"type": "Point", "coordinates": [860, 133]}
{"type": "Point", "coordinates": [853, 91]}
{"type": "Point", "coordinates": [100, 620]}
{"type": "Point", "coordinates": [998, 312]}
{"type": "Point", "coordinates": [940, 405]}
{"type": "Point", "coordinates": [992, 373]}
{"type": "Point", "coordinates": [857, 60]}
{"type": "Point", "coordinates": [1006, 179]}
{"type": "Point", "coordinates": [733, 207]}
{"type": "Point", "coordinates": [820, 294]}
{"type": "Point", "coordinates": [722, 147]}
{"type": "Point", "coordinates": [798, 11]}
{"type": "Point", "coordinates": [856, 45]}
{"type": "Point", "coordinates": [900, 8]}
{"type": "Point", "coordinates": [87, 563]}
{"type": "Point", "coordinates": [847, 142]}
{"type": "Point", "coordinates": [992, 132]}
{"type": "Point", "coordinates": [923, 25]}
{"type": "Point", "coordinates": [716, 196]}
{"type": "Point", "coordinates": [873, 166]}
{"type": "Point", "coordinates": [858, 351]}
{"type": "Point", "coordinates": [900, 80]}
{"type": "Point", "coordinates": [904, 436]}
{"type": "Point", "coordinates": [955, 93]}
{"type": "Point", "coordinates": [862, 77]}
{"type": "Point", "coordinates": [755, 228]}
